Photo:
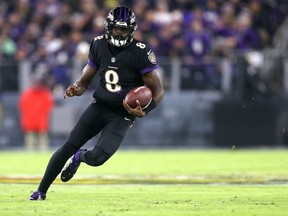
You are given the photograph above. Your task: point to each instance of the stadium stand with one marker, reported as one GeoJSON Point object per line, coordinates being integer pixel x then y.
{"type": "Point", "coordinates": [198, 44]}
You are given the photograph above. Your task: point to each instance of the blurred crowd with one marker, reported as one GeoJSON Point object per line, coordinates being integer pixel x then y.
{"type": "Point", "coordinates": [53, 33]}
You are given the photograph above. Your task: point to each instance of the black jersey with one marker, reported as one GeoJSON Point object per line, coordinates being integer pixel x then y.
{"type": "Point", "coordinates": [119, 69]}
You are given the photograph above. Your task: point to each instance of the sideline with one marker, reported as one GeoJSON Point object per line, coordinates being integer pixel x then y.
{"type": "Point", "coordinates": [151, 179]}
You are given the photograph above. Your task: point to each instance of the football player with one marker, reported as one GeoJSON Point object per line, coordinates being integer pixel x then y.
{"type": "Point", "coordinates": [119, 62]}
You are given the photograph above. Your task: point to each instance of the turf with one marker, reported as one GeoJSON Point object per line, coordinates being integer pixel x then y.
{"type": "Point", "coordinates": [166, 200]}
{"type": "Point", "coordinates": [170, 182]}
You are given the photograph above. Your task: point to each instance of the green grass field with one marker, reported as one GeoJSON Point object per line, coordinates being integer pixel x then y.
{"type": "Point", "coordinates": [153, 182]}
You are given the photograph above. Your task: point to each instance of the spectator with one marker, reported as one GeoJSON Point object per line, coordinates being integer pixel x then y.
{"type": "Point", "coordinates": [198, 42]}
{"type": "Point", "coordinates": [165, 37]}
{"type": "Point", "coordinates": [35, 106]}
{"type": "Point", "coordinates": [7, 45]}
{"type": "Point", "coordinates": [55, 26]}
{"type": "Point", "coordinates": [199, 48]}
{"type": "Point", "coordinates": [210, 13]}
{"type": "Point", "coordinates": [224, 31]}
{"type": "Point", "coordinates": [246, 37]}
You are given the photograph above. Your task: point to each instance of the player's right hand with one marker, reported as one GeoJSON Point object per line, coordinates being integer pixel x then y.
{"type": "Point", "coordinates": [71, 91]}
{"type": "Point", "coordinates": [137, 112]}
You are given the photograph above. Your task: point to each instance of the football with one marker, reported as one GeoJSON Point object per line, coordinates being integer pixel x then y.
{"type": "Point", "coordinates": [141, 93]}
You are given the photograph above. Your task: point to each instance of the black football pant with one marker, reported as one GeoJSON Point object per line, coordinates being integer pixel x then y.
{"type": "Point", "coordinates": [95, 119]}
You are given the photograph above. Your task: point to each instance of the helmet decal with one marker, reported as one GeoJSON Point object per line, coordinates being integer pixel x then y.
{"type": "Point", "coordinates": [110, 16]}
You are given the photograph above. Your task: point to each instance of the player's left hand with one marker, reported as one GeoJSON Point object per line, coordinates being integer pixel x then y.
{"type": "Point", "coordinates": [137, 112]}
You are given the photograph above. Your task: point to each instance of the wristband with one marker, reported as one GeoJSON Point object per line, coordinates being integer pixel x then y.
{"type": "Point", "coordinates": [151, 106]}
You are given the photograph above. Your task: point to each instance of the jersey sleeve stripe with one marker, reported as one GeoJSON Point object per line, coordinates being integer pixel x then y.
{"type": "Point", "coordinates": [149, 69]}
{"type": "Point", "coordinates": [90, 63]}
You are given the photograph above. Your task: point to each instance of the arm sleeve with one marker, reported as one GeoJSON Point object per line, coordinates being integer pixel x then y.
{"type": "Point", "coordinates": [92, 56]}
{"type": "Point", "coordinates": [148, 61]}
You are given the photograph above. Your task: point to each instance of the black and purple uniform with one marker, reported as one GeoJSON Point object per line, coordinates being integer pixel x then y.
{"type": "Point", "coordinates": [118, 71]}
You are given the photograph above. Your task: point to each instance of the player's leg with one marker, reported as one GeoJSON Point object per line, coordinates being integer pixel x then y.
{"type": "Point", "coordinates": [54, 167]}
{"type": "Point", "coordinates": [110, 140]}
{"type": "Point", "coordinates": [108, 143]}
{"type": "Point", "coordinates": [97, 124]}
{"type": "Point", "coordinates": [81, 133]}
